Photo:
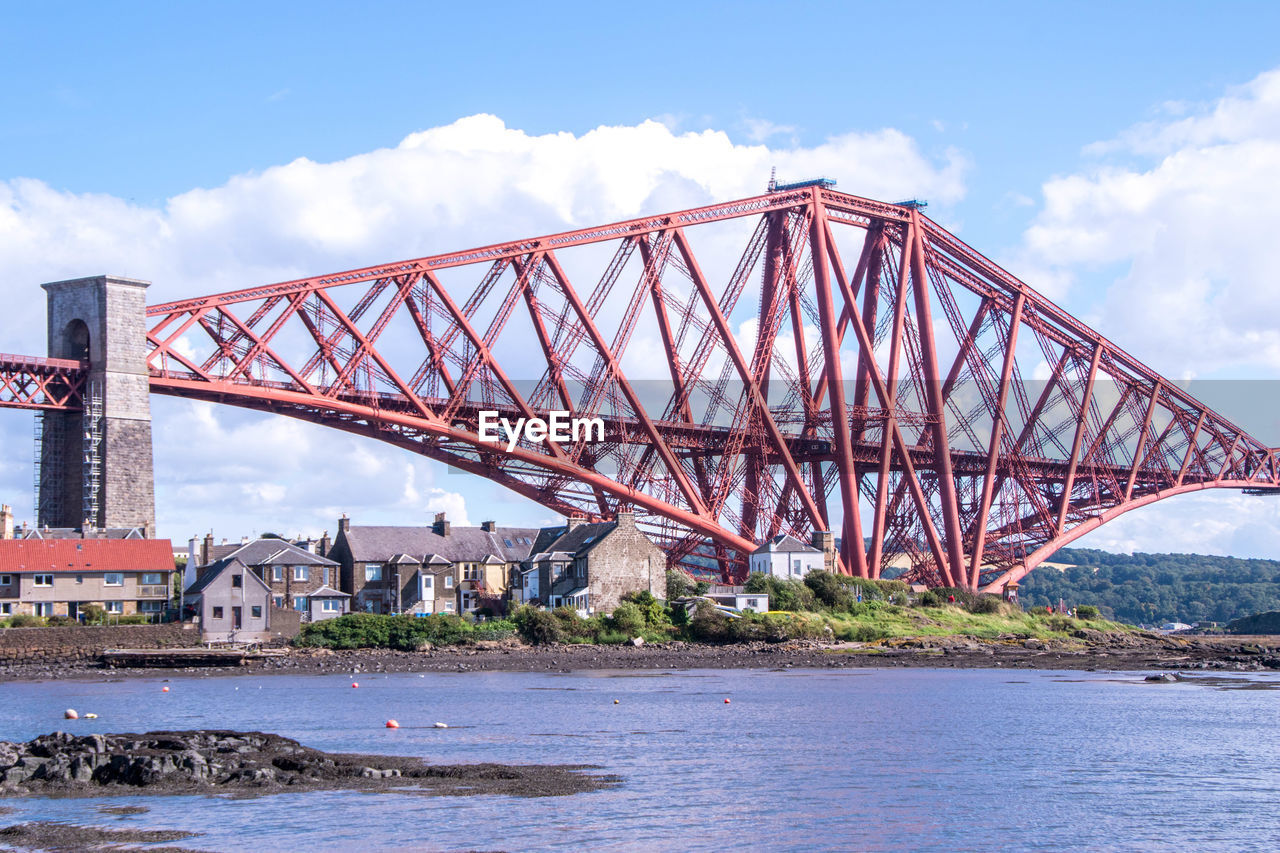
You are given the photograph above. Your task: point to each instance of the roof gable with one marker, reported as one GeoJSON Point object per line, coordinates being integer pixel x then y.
{"type": "Point", "coordinates": [784, 544]}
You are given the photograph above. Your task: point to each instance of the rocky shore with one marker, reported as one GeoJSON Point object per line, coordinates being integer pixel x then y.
{"type": "Point", "coordinates": [250, 764]}
{"type": "Point", "coordinates": [1091, 650]}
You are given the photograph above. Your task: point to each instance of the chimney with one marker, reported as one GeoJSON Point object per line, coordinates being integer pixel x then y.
{"type": "Point", "coordinates": [441, 525]}
{"type": "Point", "coordinates": [574, 521]}
{"type": "Point", "coordinates": [489, 526]}
{"type": "Point", "coordinates": [206, 552]}
{"type": "Point", "coordinates": [6, 521]}
{"type": "Point", "coordinates": [344, 524]}
{"type": "Point", "coordinates": [825, 541]}
{"type": "Point", "coordinates": [626, 519]}
{"type": "Point", "coordinates": [324, 545]}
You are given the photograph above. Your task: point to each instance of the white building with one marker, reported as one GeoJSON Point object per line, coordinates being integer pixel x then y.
{"type": "Point", "coordinates": [785, 557]}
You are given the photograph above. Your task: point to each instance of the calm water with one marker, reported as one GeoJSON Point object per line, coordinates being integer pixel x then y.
{"type": "Point", "coordinates": [801, 759]}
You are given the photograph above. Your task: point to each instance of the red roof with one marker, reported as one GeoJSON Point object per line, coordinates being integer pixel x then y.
{"type": "Point", "coordinates": [86, 555]}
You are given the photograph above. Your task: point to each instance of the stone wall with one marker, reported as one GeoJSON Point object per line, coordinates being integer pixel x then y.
{"type": "Point", "coordinates": [72, 644]}
{"type": "Point", "coordinates": [624, 561]}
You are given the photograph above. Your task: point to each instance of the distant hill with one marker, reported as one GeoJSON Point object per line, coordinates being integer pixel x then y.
{"type": "Point", "coordinates": [1155, 588]}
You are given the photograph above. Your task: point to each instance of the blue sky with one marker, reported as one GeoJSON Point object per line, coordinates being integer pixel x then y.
{"type": "Point", "coordinates": [1029, 123]}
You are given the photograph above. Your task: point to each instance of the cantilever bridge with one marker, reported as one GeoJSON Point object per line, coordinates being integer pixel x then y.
{"type": "Point", "coordinates": [763, 366]}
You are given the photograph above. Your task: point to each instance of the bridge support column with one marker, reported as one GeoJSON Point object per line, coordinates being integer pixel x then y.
{"type": "Point", "coordinates": [96, 465]}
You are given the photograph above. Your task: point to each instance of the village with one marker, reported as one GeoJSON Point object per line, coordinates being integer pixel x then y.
{"type": "Point", "coordinates": [258, 590]}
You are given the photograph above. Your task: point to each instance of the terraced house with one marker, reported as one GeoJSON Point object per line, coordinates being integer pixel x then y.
{"type": "Point", "coordinates": [297, 579]}
{"type": "Point", "coordinates": [59, 577]}
{"type": "Point", "coordinates": [436, 569]}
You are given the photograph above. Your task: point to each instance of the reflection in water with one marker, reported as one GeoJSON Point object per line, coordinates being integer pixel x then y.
{"type": "Point", "coordinates": [800, 760]}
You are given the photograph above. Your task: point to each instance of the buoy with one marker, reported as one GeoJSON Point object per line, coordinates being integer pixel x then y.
{"type": "Point", "coordinates": [71, 714]}
{"type": "Point", "coordinates": [355, 684]}
{"type": "Point", "coordinates": [91, 716]}
{"type": "Point", "coordinates": [392, 724]}
{"type": "Point", "coordinates": [615, 701]}
{"type": "Point", "coordinates": [440, 726]}
{"type": "Point", "coordinates": [164, 689]}
{"type": "Point", "coordinates": [726, 701]}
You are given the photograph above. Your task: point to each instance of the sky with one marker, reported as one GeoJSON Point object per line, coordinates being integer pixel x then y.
{"type": "Point", "coordinates": [1121, 158]}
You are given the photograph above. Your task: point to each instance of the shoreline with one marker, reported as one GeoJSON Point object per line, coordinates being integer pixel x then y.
{"type": "Point", "coordinates": [1113, 652]}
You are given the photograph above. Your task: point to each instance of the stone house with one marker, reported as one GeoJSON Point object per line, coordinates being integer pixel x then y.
{"type": "Point", "coordinates": [231, 602]}
{"type": "Point", "coordinates": [292, 573]}
{"type": "Point", "coordinates": [58, 577]}
{"type": "Point", "coordinates": [787, 558]}
{"type": "Point", "coordinates": [436, 569]}
{"type": "Point", "coordinates": [589, 566]}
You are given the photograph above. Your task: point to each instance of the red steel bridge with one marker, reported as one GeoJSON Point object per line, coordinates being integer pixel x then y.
{"type": "Point", "coordinates": [799, 361]}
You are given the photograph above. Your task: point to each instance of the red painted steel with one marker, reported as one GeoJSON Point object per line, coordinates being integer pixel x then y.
{"type": "Point", "coordinates": [41, 383]}
{"type": "Point", "coordinates": [736, 404]}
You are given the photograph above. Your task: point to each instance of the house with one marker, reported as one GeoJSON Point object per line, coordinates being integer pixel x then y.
{"type": "Point", "coordinates": [787, 558]}
{"type": "Point", "coordinates": [738, 600]}
{"type": "Point", "coordinates": [589, 566]}
{"type": "Point", "coordinates": [327, 603]}
{"type": "Point", "coordinates": [420, 569]}
{"type": "Point", "coordinates": [58, 577]}
{"type": "Point", "coordinates": [232, 603]}
{"type": "Point", "coordinates": [292, 573]}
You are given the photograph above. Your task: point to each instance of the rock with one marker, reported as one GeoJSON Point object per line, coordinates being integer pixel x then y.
{"type": "Point", "coordinates": [1032, 643]}
{"type": "Point", "coordinates": [1163, 678]}
{"type": "Point", "coordinates": [637, 641]}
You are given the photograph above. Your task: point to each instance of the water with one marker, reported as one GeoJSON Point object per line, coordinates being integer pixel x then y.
{"type": "Point", "coordinates": [800, 760]}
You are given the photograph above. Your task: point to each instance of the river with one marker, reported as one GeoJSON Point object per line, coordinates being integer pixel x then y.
{"type": "Point", "coordinates": [912, 759]}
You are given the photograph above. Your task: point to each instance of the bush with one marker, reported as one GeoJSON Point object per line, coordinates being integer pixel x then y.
{"type": "Point", "coordinates": [628, 618]}
{"type": "Point", "coordinates": [406, 633]}
{"type": "Point", "coordinates": [539, 627]}
{"type": "Point", "coordinates": [708, 624]}
{"type": "Point", "coordinates": [93, 614]}
{"type": "Point", "coordinates": [678, 585]}
{"type": "Point", "coordinates": [25, 620]}
{"type": "Point", "coordinates": [783, 594]}
{"type": "Point", "coordinates": [1088, 611]}
{"type": "Point", "coordinates": [655, 614]}
{"type": "Point", "coordinates": [987, 604]}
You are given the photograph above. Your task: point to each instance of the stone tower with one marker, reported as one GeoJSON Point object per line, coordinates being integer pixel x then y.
{"type": "Point", "coordinates": [96, 465]}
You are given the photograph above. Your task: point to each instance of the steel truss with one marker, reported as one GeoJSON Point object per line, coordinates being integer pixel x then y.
{"type": "Point", "coordinates": [893, 382]}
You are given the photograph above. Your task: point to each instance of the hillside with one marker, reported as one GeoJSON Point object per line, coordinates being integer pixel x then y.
{"type": "Point", "coordinates": [1154, 588]}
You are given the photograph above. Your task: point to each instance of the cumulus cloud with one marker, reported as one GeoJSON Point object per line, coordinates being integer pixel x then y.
{"type": "Point", "coordinates": [1177, 220]}
{"type": "Point", "coordinates": [473, 182]}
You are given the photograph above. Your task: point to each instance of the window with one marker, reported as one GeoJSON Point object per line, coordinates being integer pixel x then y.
{"type": "Point", "coordinates": [79, 578]}
{"type": "Point", "coordinates": [279, 601]}
{"type": "Point", "coordinates": [277, 573]}
{"type": "Point", "coordinates": [471, 572]}
{"type": "Point", "coordinates": [325, 575]}
{"type": "Point", "coordinates": [468, 601]}
{"type": "Point", "coordinates": [300, 573]}
{"type": "Point", "coordinates": [448, 606]}
{"type": "Point", "coordinates": [6, 609]}
{"type": "Point", "coordinates": [150, 606]}
{"type": "Point", "coordinates": [6, 580]}
{"type": "Point", "coordinates": [152, 578]}
{"type": "Point", "coordinates": [256, 611]}
{"type": "Point", "coordinates": [331, 605]}
{"type": "Point", "coordinates": [448, 581]}
{"type": "Point", "coordinates": [299, 602]}
{"type": "Point", "coordinates": [42, 580]}
{"type": "Point", "coordinates": [115, 606]}
{"type": "Point", "coordinates": [508, 542]}
{"type": "Point", "coordinates": [113, 579]}
{"type": "Point", "coordinates": [797, 566]}
{"type": "Point", "coordinates": [44, 608]}
{"type": "Point", "coordinates": [217, 613]}
{"type": "Point", "coordinates": [372, 572]}
{"type": "Point", "coordinates": [237, 581]}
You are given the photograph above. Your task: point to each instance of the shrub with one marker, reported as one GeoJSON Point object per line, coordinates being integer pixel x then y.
{"type": "Point", "coordinates": [93, 614]}
{"type": "Point", "coordinates": [539, 627]}
{"type": "Point", "coordinates": [678, 585]}
{"type": "Point", "coordinates": [406, 633]}
{"type": "Point", "coordinates": [708, 624]}
{"type": "Point", "coordinates": [628, 618]}
{"type": "Point", "coordinates": [1088, 611]}
{"type": "Point", "coordinates": [783, 594]}
{"type": "Point", "coordinates": [655, 615]}
{"type": "Point", "coordinates": [25, 620]}
{"type": "Point", "coordinates": [60, 622]}
{"type": "Point", "coordinates": [987, 604]}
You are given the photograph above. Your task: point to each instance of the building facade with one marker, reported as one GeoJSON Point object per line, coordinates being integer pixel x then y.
{"type": "Point", "coordinates": [589, 566]}
{"type": "Point", "coordinates": [429, 569]}
{"type": "Point", "coordinates": [292, 573]}
{"type": "Point", "coordinates": [788, 558]}
{"type": "Point", "coordinates": [60, 577]}
{"type": "Point", "coordinates": [231, 603]}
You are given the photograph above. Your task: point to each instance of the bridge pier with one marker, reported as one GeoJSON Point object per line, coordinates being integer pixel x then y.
{"type": "Point", "coordinates": [96, 464]}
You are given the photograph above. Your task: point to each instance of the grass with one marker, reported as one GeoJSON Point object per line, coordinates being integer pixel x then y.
{"type": "Point", "coordinates": [887, 622]}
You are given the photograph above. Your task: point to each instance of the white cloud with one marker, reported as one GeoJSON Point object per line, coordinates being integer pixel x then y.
{"type": "Point", "coordinates": [1185, 238]}
{"type": "Point", "coordinates": [452, 504]}
{"type": "Point", "coordinates": [473, 182]}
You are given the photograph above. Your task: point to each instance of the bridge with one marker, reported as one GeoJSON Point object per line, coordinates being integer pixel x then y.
{"type": "Point", "coordinates": [804, 360]}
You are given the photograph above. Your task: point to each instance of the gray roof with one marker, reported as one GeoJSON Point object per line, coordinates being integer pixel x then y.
{"type": "Point", "coordinates": [469, 544]}
{"type": "Point", "coordinates": [327, 592]}
{"type": "Point", "coordinates": [212, 571]}
{"type": "Point", "coordinates": [559, 543]}
{"type": "Point", "coordinates": [269, 552]}
{"type": "Point", "coordinates": [785, 544]}
{"type": "Point", "coordinates": [74, 533]}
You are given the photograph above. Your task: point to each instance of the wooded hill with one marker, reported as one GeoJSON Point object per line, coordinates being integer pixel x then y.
{"type": "Point", "coordinates": [1155, 588]}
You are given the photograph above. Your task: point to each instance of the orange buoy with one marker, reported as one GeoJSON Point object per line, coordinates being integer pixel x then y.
{"type": "Point", "coordinates": [355, 684]}
{"type": "Point", "coordinates": [726, 701]}
{"type": "Point", "coordinates": [392, 724]}
{"type": "Point", "coordinates": [70, 714]}
{"type": "Point", "coordinates": [164, 689]}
